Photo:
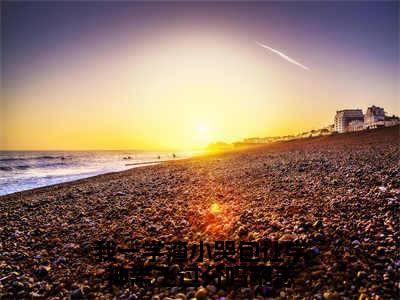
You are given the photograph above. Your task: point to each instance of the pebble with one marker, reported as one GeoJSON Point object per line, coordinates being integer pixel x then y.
{"type": "Point", "coordinates": [331, 296]}
{"type": "Point", "coordinates": [181, 296]}
{"type": "Point", "coordinates": [77, 294]}
{"type": "Point", "coordinates": [382, 189]}
{"type": "Point", "coordinates": [61, 260]}
{"type": "Point", "coordinates": [211, 289]}
{"type": "Point", "coordinates": [287, 237]}
{"type": "Point", "coordinates": [248, 293]}
{"type": "Point", "coordinates": [318, 224]}
{"type": "Point", "coordinates": [315, 250]}
{"type": "Point", "coordinates": [17, 285]}
{"type": "Point", "coordinates": [201, 294]}
{"type": "Point", "coordinates": [41, 272]}
{"type": "Point", "coordinates": [340, 205]}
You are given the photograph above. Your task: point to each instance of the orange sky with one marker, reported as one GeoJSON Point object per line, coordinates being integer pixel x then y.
{"type": "Point", "coordinates": [173, 87]}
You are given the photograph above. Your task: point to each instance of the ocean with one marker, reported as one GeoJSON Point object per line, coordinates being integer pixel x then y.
{"type": "Point", "coordinates": [23, 170]}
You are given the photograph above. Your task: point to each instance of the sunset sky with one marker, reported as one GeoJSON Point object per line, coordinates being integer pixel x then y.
{"type": "Point", "coordinates": [132, 75]}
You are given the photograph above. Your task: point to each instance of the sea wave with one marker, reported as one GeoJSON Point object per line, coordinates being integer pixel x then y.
{"type": "Point", "coordinates": [22, 170]}
{"type": "Point", "coordinates": [26, 167]}
{"type": "Point", "coordinates": [5, 168]}
{"type": "Point", "coordinates": [22, 167]}
{"type": "Point", "coordinates": [44, 157]}
{"type": "Point", "coordinates": [9, 169]}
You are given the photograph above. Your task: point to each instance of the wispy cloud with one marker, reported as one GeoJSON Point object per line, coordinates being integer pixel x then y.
{"type": "Point", "coordinates": [284, 56]}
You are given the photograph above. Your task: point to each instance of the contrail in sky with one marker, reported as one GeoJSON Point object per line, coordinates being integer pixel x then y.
{"type": "Point", "coordinates": [284, 56]}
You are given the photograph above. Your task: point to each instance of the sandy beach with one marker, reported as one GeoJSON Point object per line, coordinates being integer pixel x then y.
{"type": "Point", "coordinates": [339, 194]}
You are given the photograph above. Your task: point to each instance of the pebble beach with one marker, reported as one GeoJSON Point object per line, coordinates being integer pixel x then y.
{"type": "Point", "coordinates": [339, 194]}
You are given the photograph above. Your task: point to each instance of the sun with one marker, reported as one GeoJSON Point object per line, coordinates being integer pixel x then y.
{"type": "Point", "coordinates": [202, 128]}
{"type": "Point", "coordinates": [202, 133]}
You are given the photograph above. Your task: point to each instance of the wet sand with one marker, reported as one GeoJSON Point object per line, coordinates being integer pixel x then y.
{"type": "Point", "coordinates": [339, 193]}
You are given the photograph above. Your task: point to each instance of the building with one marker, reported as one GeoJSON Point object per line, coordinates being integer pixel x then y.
{"type": "Point", "coordinates": [349, 120]}
{"type": "Point", "coordinates": [355, 125]}
{"type": "Point", "coordinates": [344, 117]}
{"type": "Point", "coordinates": [392, 121]}
{"type": "Point", "coordinates": [331, 128]}
{"type": "Point", "coordinates": [326, 130]}
{"type": "Point", "coordinates": [254, 140]}
{"type": "Point", "coordinates": [374, 117]}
